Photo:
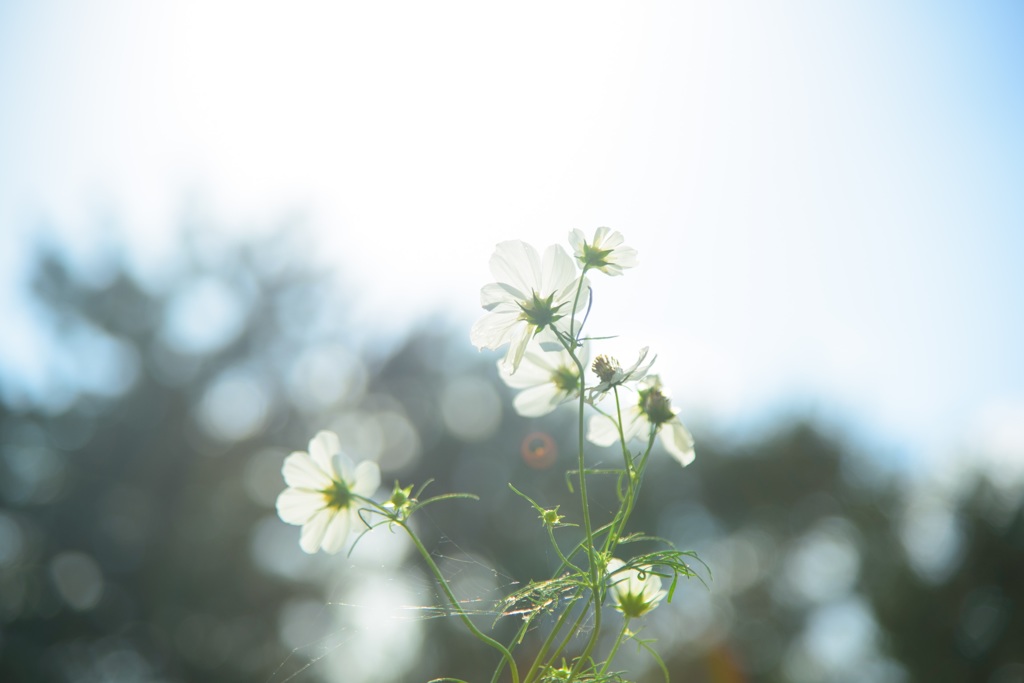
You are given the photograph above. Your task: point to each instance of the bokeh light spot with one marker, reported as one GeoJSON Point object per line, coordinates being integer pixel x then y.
{"type": "Point", "coordinates": [233, 408]}
{"type": "Point", "coordinates": [471, 408]}
{"type": "Point", "coordinates": [539, 450]}
{"type": "Point", "coordinates": [203, 317]}
{"type": "Point", "coordinates": [78, 580]}
{"type": "Point", "coordinates": [11, 541]}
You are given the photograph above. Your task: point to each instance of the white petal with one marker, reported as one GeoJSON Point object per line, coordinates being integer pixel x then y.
{"type": "Point", "coordinates": [566, 295]}
{"type": "Point", "coordinates": [576, 240]}
{"type": "Point", "coordinates": [678, 442]}
{"type": "Point", "coordinates": [337, 530]}
{"type": "Point", "coordinates": [599, 238]}
{"type": "Point", "coordinates": [559, 270]}
{"type": "Point", "coordinates": [626, 257]}
{"type": "Point", "coordinates": [537, 401]}
{"type": "Point", "coordinates": [602, 431]}
{"type": "Point", "coordinates": [342, 468]}
{"type": "Point", "coordinates": [538, 365]}
{"type": "Point", "coordinates": [313, 531]}
{"type": "Point", "coordinates": [635, 424]}
{"type": "Point", "coordinates": [517, 347]}
{"type": "Point", "coordinates": [496, 293]}
{"type": "Point", "coordinates": [495, 329]}
{"type": "Point", "coordinates": [300, 471]}
{"type": "Point", "coordinates": [297, 506]}
{"type": "Point", "coordinates": [366, 479]}
{"type": "Point", "coordinates": [622, 258]}
{"type": "Point", "coordinates": [516, 263]}
{"type": "Point", "coordinates": [323, 447]}
{"type": "Point", "coordinates": [527, 375]}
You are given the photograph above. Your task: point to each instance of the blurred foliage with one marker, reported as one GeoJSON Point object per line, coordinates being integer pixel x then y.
{"type": "Point", "coordinates": [138, 540]}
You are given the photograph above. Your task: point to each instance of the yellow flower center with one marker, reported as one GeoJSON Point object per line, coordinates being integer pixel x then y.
{"type": "Point", "coordinates": [566, 379]}
{"type": "Point", "coordinates": [338, 496]}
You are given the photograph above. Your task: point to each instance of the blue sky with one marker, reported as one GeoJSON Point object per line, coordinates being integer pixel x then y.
{"type": "Point", "coordinates": [826, 197]}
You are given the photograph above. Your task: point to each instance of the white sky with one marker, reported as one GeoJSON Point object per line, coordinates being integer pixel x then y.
{"type": "Point", "coordinates": [825, 196]}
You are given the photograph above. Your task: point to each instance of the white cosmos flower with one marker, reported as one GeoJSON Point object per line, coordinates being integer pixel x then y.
{"type": "Point", "coordinates": [651, 407]}
{"type": "Point", "coordinates": [322, 490]}
{"type": "Point", "coordinates": [605, 252]}
{"type": "Point", "coordinates": [612, 374]}
{"type": "Point", "coordinates": [546, 378]}
{"type": "Point", "coordinates": [635, 591]}
{"type": "Point", "coordinates": [530, 294]}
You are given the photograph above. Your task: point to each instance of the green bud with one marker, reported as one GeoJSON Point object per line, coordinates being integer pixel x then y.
{"type": "Point", "coordinates": [656, 406]}
{"type": "Point", "coordinates": [400, 500]}
{"type": "Point", "coordinates": [551, 517]}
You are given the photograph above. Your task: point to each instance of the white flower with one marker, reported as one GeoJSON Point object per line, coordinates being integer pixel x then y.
{"type": "Point", "coordinates": [605, 252]}
{"type": "Point", "coordinates": [546, 378]}
{"type": "Point", "coordinates": [651, 408]}
{"type": "Point", "coordinates": [530, 295]}
{"type": "Point", "coordinates": [635, 591]}
{"type": "Point", "coordinates": [611, 373]}
{"type": "Point", "coordinates": [322, 490]}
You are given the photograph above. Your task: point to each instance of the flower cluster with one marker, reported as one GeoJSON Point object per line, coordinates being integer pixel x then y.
{"type": "Point", "coordinates": [538, 306]}
{"type": "Point", "coordinates": [532, 306]}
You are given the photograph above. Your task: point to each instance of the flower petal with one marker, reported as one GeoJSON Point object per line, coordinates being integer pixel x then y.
{"type": "Point", "coordinates": [517, 263]}
{"type": "Point", "coordinates": [602, 430]}
{"type": "Point", "coordinates": [366, 479]}
{"type": "Point", "coordinates": [496, 293]}
{"type": "Point", "coordinates": [300, 471]}
{"type": "Point", "coordinates": [537, 401]}
{"type": "Point", "coordinates": [337, 530]}
{"type": "Point", "coordinates": [558, 271]}
{"type": "Point", "coordinates": [529, 374]}
{"type": "Point", "coordinates": [323, 447]}
{"type": "Point", "coordinates": [602, 241]}
{"type": "Point", "coordinates": [678, 442]}
{"type": "Point", "coordinates": [495, 328]}
{"type": "Point", "coordinates": [314, 530]}
{"type": "Point", "coordinates": [342, 465]}
{"type": "Point", "coordinates": [298, 506]}
{"type": "Point", "coordinates": [517, 347]}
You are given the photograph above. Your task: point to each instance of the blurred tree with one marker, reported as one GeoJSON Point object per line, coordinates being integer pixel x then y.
{"type": "Point", "coordinates": [138, 539]}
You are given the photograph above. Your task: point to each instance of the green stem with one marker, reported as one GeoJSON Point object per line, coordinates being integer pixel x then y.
{"type": "Point", "coordinates": [596, 572]}
{"type": "Point", "coordinates": [483, 637]}
{"type": "Point", "coordinates": [565, 560]}
{"type": "Point", "coordinates": [620, 518]}
{"type": "Point", "coordinates": [634, 494]}
{"type": "Point", "coordinates": [615, 647]}
{"type": "Point", "coordinates": [550, 639]}
{"type": "Point", "coordinates": [568, 637]}
{"type": "Point", "coordinates": [575, 304]}
{"type": "Point", "coordinates": [593, 636]}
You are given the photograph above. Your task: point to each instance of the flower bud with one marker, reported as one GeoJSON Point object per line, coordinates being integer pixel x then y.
{"type": "Point", "coordinates": [605, 368]}
{"type": "Point", "coordinates": [656, 406]}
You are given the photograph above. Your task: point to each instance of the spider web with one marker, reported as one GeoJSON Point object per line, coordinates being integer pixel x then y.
{"type": "Point", "coordinates": [373, 627]}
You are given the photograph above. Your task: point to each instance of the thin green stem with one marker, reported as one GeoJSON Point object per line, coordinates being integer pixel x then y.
{"type": "Point", "coordinates": [615, 647]}
{"type": "Point", "coordinates": [594, 635]}
{"type": "Point", "coordinates": [569, 636]}
{"type": "Point", "coordinates": [634, 493]}
{"type": "Point", "coordinates": [550, 639]}
{"type": "Point", "coordinates": [483, 637]}
{"type": "Point", "coordinates": [575, 303]}
{"type": "Point", "coordinates": [596, 572]}
{"type": "Point", "coordinates": [565, 560]}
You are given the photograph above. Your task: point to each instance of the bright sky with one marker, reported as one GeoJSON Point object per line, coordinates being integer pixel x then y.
{"type": "Point", "coordinates": [827, 197]}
